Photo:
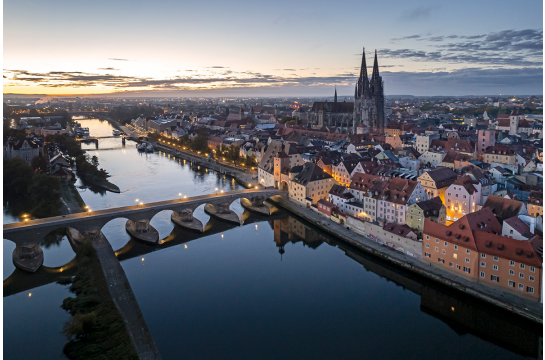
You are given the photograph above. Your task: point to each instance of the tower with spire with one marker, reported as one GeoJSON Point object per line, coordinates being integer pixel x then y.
{"type": "Point", "coordinates": [369, 99]}
{"type": "Point", "coordinates": [335, 98]}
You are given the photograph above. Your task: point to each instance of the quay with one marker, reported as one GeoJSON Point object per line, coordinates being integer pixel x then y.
{"type": "Point", "coordinates": [530, 310]}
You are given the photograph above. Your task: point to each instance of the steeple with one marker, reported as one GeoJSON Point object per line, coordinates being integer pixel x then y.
{"type": "Point", "coordinates": [375, 75]}
{"type": "Point", "coordinates": [335, 98]}
{"type": "Point", "coordinates": [363, 70]}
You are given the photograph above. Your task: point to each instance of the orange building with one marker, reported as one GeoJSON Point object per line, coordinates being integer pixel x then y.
{"type": "Point", "coordinates": [474, 248]}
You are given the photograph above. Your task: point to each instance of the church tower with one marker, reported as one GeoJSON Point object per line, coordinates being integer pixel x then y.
{"type": "Point", "coordinates": [369, 99]}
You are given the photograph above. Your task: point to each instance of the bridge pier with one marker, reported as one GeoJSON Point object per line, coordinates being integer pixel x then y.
{"type": "Point", "coordinates": [256, 205]}
{"type": "Point", "coordinates": [142, 230]}
{"type": "Point", "coordinates": [28, 258]}
{"type": "Point", "coordinates": [222, 212]}
{"type": "Point", "coordinates": [186, 220]}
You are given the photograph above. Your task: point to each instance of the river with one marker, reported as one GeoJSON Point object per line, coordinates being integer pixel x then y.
{"type": "Point", "coordinates": [275, 287]}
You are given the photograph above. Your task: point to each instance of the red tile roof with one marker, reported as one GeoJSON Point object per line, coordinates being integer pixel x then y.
{"type": "Point", "coordinates": [511, 249]}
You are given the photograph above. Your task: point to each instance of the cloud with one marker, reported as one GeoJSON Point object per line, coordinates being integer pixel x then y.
{"type": "Point", "coordinates": [116, 59]}
{"type": "Point", "coordinates": [217, 67]}
{"type": "Point", "coordinates": [108, 68]}
{"type": "Point", "coordinates": [406, 38]}
{"type": "Point", "coordinates": [418, 13]}
{"type": "Point", "coordinates": [504, 48]}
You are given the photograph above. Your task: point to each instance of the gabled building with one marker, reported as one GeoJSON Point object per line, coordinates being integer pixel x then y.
{"type": "Point", "coordinates": [435, 182]}
{"type": "Point", "coordinates": [535, 203]}
{"type": "Point", "coordinates": [462, 197]}
{"type": "Point", "coordinates": [396, 196]}
{"type": "Point", "coordinates": [367, 189]}
{"type": "Point", "coordinates": [25, 149]}
{"type": "Point", "coordinates": [503, 208]}
{"type": "Point", "coordinates": [310, 185]}
{"type": "Point", "coordinates": [433, 210]}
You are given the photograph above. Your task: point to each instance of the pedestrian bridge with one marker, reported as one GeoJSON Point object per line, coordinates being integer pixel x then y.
{"type": "Point", "coordinates": [31, 233]}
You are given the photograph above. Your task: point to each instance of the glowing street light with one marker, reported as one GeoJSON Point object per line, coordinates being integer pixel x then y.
{"type": "Point", "coordinates": [180, 195]}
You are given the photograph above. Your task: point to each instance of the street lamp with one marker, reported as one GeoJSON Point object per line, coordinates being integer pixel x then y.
{"type": "Point", "coordinates": [216, 190]}
{"type": "Point", "coordinates": [180, 195]}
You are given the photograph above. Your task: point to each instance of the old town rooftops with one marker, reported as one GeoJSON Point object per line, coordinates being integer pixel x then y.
{"type": "Point", "coordinates": [337, 190]}
{"type": "Point", "coordinates": [311, 172]}
{"type": "Point", "coordinates": [518, 225]}
{"type": "Point", "coordinates": [401, 230]}
{"type": "Point", "coordinates": [468, 183]}
{"type": "Point", "coordinates": [460, 232]}
{"type": "Point", "coordinates": [503, 208]}
{"type": "Point", "coordinates": [520, 251]}
{"type": "Point", "coordinates": [535, 198]}
{"type": "Point", "coordinates": [443, 177]}
{"type": "Point", "coordinates": [398, 190]}
{"type": "Point", "coordinates": [367, 182]}
{"type": "Point", "coordinates": [499, 150]}
{"type": "Point", "coordinates": [431, 207]}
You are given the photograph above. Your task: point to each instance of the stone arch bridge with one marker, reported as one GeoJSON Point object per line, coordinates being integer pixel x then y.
{"type": "Point", "coordinates": [28, 235]}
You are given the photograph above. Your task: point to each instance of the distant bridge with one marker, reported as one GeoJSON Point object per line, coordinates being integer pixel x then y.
{"type": "Point", "coordinates": [87, 113]}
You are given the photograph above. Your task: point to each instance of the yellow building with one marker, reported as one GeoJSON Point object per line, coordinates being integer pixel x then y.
{"type": "Point", "coordinates": [535, 203]}
{"type": "Point", "coordinates": [435, 182]}
{"type": "Point", "coordinates": [499, 154]}
{"type": "Point", "coordinates": [310, 185]}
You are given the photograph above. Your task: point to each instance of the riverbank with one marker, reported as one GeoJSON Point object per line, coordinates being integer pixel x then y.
{"type": "Point", "coordinates": [519, 306]}
{"type": "Point", "coordinates": [72, 203]}
{"type": "Point", "coordinates": [102, 183]}
{"type": "Point", "coordinates": [123, 297]}
{"type": "Point", "coordinates": [96, 329]}
{"type": "Point", "coordinates": [241, 176]}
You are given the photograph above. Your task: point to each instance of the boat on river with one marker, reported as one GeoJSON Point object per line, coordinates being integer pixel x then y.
{"type": "Point", "coordinates": [116, 132]}
{"type": "Point", "coordinates": [149, 148]}
{"type": "Point", "coordinates": [141, 147]}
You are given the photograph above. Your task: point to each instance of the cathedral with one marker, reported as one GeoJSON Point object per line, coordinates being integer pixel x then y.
{"type": "Point", "coordinates": [367, 108]}
{"type": "Point", "coordinates": [369, 99]}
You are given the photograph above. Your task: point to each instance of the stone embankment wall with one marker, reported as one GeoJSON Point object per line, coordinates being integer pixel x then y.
{"type": "Point", "coordinates": [379, 235]}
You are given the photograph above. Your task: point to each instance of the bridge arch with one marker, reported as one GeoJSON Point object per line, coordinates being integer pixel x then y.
{"type": "Point", "coordinates": [114, 230]}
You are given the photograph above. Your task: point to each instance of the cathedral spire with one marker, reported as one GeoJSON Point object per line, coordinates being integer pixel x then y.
{"type": "Point", "coordinates": [363, 70]}
{"type": "Point", "coordinates": [335, 98]}
{"type": "Point", "coordinates": [375, 75]}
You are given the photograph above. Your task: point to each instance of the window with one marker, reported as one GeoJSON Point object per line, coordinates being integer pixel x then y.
{"type": "Point", "coordinates": [532, 269]}
{"type": "Point", "coordinates": [521, 287]}
{"type": "Point", "coordinates": [531, 278]}
{"type": "Point", "coordinates": [446, 243]}
{"type": "Point", "coordinates": [436, 249]}
{"type": "Point", "coordinates": [441, 260]}
{"type": "Point", "coordinates": [494, 278]}
{"type": "Point", "coordinates": [427, 246]}
{"type": "Point", "coordinates": [483, 264]}
{"type": "Point", "coordinates": [511, 283]}
{"type": "Point", "coordinates": [467, 251]}
{"type": "Point", "coordinates": [483, 255]}
{"type": "Point", "coordinates": [467, 260]}
{"type": "Point", "coordinates": [437, 241]}
{"type": "Point", "coordinates": [467, 270]}
{"type": "Point", "coordinates": [496, 258]}
{"type": "Point", "coordinates": [530, 289]}
{"type": "Point", "coordinates": [511, 272]}
{"type": "Point", "coordinates": [522, 266]}
{"type": "Point", "coordinates": [495, 267]}
{"type": "Point", "coordinates": [455, 247]}
{"type": "Point", "coordinates": [458, 267]}
{"type": "Point", "coordinates": [427, 255]}
{"type": "Point", "coordinates": [482, 274]}
{"type": "Point", "coordinates": [451, 264]}
{"type": "Point", "coordinates": [521, 275]}
{"type": "Point", "coordinates": [455, 256]}
{"type": "Point", "coordinates": [511, 263]}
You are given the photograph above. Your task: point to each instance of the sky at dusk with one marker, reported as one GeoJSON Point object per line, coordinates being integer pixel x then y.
{"type": "Point", "coordinates": [281, 48]}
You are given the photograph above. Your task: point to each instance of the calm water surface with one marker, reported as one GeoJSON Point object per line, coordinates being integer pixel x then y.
{"type": "Point", "coordinates": [273, 288]}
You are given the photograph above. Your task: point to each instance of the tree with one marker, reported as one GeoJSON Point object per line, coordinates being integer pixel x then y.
{"type": "Point", "coordinates": [46, 194]}
{"type": "Point", "coordinates": [18, 177]}
{"type": "Point", "coordinates": [39, 163]}
{"type": "Point", "coordinates": [233, 153]}
{"type": "Point", "coordinates": [94, 161]}
{"type": "Point", "coordinates": [250, 161]}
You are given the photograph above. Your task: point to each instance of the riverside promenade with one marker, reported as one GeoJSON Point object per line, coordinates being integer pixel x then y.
{"type": "Point", "coordinates": [519, 306]}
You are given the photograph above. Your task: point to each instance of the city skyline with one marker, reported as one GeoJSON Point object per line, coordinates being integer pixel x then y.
{"type": "Point", "coordinates": [295, 49]}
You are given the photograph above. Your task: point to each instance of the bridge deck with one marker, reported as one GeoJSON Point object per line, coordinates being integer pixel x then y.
{"type": "Point", "coordinates": [66, 219]}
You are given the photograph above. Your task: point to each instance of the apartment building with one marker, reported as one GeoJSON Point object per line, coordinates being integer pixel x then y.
{"type": "Point", "coordinates": [499, 154]}
{"type": "Point", "coordinates": [485, 139]}
{"type": "Point", "coordinates": [435, 182]}
{"type": "Point", "coordinates": [310, 185]}
{"type": "Point", "coordinates": [367, 190]}
{"type": "Point", "coordinates": [433, 210]}
{"type": "Point", "coordinates": [396, 196]}
{"type": "Point", "coordinates": [535, 203]}
{"type": "Point", "coordinates": [462, 197]}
